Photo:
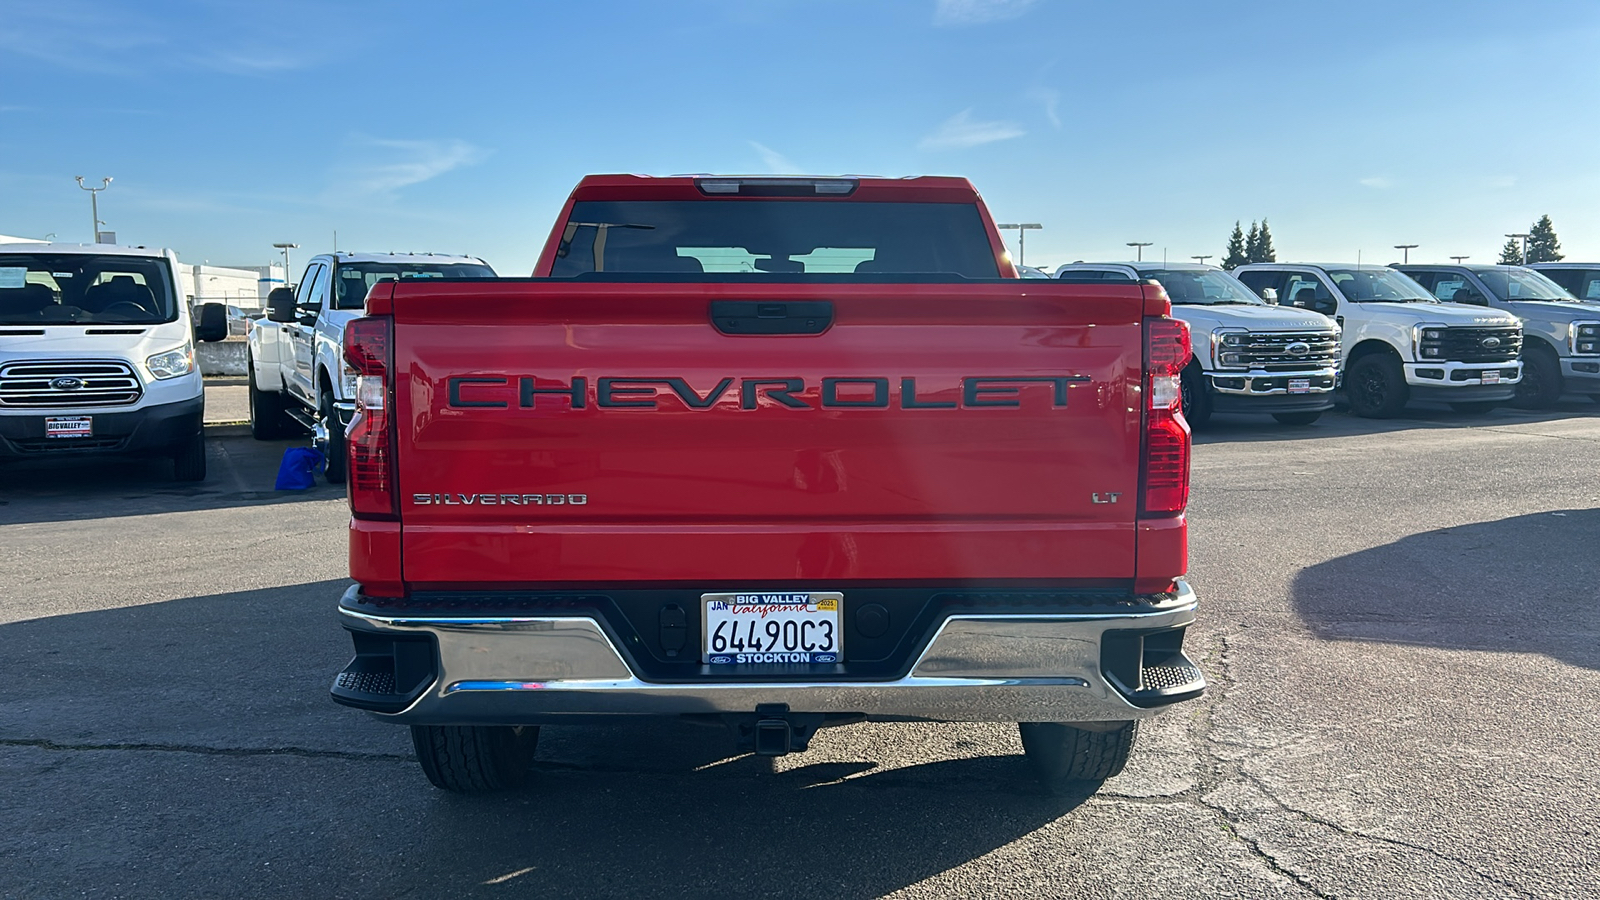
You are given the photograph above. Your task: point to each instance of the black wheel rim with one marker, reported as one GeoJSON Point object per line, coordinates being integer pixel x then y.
{"type": "Point", "coordinates": [1531, 386]}
{"type": "Point", "coordinates": [1186, 395]}
{"type": "Point", "coordinates": [1372, 389]}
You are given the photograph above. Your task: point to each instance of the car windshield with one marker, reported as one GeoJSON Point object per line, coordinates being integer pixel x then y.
{"type": "Point", "coordinates": [1378, 285]}
{"type": "Point", "coordinates": [355, 278]}
{"type": "Point", "coordinates": [1202, 287]}
{"type": "Point", "coordinates": [1523, 284]}
{"type": "Point", "coordinates": [85, 289]}
{"type": "Point", "coordinates": [779, 237]}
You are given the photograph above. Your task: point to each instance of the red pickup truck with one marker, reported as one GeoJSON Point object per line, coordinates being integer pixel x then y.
{"type": "Point", "coordinates": [778, 453]}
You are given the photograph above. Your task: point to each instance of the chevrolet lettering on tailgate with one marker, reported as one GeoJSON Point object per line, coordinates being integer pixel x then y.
{"type": "Point", "coordinates": [497, 392]}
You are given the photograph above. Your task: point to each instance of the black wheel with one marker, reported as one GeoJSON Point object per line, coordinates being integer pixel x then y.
{"type": "Point", "coordinates": [1376, 386]}
{"type": "Point", "coordinates": [189, 459]}
{"type": "Point", "coordinates": [1073, 756]}
{"type": "Point", "coordinates": [1196, 402]}
{"type": "Point", "coordinates": [1540, 387]}
{"type": "Point", "coordinates": [475, 759]}
{"type": "Point", "coordinates": [1475, 407]}
{"type": "Point", "coordinates": [1298, 418]}
{"type": "Point", "coordinates": [332, 443]}
{"type": "Point", "coordinates": [267, 419]}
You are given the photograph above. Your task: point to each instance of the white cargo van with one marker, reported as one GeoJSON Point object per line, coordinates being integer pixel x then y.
{"type": "Point", "coordinates": [97, 355]}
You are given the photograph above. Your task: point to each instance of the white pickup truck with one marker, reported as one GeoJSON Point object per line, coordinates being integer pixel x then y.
{"type": "Point", "coordinates": [97, 355]}
{"type": "Point", "coordinates": [1249, 356]}
{"type": "Point", "coordinates": [298, 378]}
{"type": "Point", "coordinates": [1400, 342]}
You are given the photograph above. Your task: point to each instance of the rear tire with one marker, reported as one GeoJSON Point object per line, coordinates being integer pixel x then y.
{"type": "Point", "coordinates": [1298, 418]}
{"type": "Point", "coordinates": [189, 459]}
{"type": "Point", "coordinates": [475, 759]}
{"type": "Point", "coordinates": [335, 449]}
{"type": "Point", "coordinates": [1376, 387]}
{"type": "Point", "coordinates": [267, 419]}
{"type": "Point", "coordinates": [1475, 407]}
{"type": "Point", "coordinates": [1196, 401]}
{"type": "Point", "coordinates": [1541, 386]}
{"type": "Point", "coordinates": [1075, 757]}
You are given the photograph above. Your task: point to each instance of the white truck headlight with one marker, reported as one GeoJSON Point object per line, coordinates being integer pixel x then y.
{"type": "Point", "coordinates": [172, 363]}
{"type": "Point", "coordinates": [1586, 338]}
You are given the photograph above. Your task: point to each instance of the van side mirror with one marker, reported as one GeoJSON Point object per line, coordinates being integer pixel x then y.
{"type": "Point", "coordinates": [280, 305]}
{"type": "Point", "coordinates": [1270, 295]}
{"type": "Point", "coordinates": [210, 322]}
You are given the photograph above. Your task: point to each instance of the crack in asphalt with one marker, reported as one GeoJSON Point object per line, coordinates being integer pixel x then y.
{"type": "Point", "coordinates": [1226, 770]}
{"type": "Point", "coordinates": [203, 750]}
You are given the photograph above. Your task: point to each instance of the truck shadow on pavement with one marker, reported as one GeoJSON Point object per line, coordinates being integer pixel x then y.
{"type": "Point", "coordinates": [1236, 428]}
{"type": "Point", "coordinates": [206, 723]}
{"type": "Point", "coordinates": [1520, 585]}
{"type": "Point", "coordinates": [240, 472]}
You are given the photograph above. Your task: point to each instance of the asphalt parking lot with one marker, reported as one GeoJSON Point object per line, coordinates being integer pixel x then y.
{"type": "Point", "coordinates": [1398, 618]}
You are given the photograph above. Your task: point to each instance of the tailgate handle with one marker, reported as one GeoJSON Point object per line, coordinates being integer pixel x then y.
{"type": "Point", "coordinates": [760, 317]}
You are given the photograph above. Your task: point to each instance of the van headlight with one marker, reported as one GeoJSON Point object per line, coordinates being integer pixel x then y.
{"type": "Point", "coordinates": [172, 363]}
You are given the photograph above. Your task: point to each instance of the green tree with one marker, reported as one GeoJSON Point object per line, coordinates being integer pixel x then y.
{"type": "Point", "coordinates": [1511, 253]}
{"type": "Point", "coordinates": [1542, 243]}
{"type": "Point", "coordinates": [1252, 243]}
{"type": "Point", "coordinates": [1264, 251]}
{"type": "Point", "coordinates": [1235, 256]}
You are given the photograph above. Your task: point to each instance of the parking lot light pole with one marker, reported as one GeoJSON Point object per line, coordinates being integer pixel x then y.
{"type": "Point", "coordinates": [94, 205]}
{"type": "Point", "coordinates": [1522, 242]}
{"type": "Point", "coordinates": [1458, 259]}
{"type": "Point", "coordinates": [1406, 249]}
{"type": "Point", "coordinates": [1139, 248]}
{"type": "Point", "coordinates": [1022, 237]}
{"type": "Point", "coordinates": [1201, 258]}
{"type": "Point", "coordinates": [286, 248]}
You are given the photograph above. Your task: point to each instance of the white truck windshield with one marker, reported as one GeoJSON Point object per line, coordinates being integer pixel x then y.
{"type": "Point", "coordinates": [1379, 285]}
{"type": "Point", "coordinates": [355, 278]}
{"type": "Point", "coordinates": [1523, 284]}
{"type": "Point", "coordinates": [85, 289]}
{"type": "Point", "coordinates": [1202, 287]}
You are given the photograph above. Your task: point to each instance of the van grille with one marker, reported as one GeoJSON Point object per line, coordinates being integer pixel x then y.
{"type": "Point", "coordinates": [1270, 351]}
{"type": "Point", "coordinates": [1467, 344]}
{"type": "Point", "coordinates": [44, 384]}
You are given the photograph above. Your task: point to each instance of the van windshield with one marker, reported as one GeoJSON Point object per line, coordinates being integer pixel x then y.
{"type": "Point", "coordinates": [85, 289]}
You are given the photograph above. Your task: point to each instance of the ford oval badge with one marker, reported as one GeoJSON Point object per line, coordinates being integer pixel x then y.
{"type": "Point", "coordinates": [1491, 342]}
{"type": "Point", "coordinates": [1298, 348]}
{"type": "Point", "coordinates": [67, 383]}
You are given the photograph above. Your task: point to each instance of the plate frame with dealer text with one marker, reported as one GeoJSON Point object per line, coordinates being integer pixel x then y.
{"type": "Point", "coordinates": [818, 606]}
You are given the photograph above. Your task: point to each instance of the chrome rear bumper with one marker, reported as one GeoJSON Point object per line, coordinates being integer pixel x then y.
{"type": "Point", "coordinates": [976, 668]}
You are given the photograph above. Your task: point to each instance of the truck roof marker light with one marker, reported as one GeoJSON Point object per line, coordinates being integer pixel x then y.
{"type": "Point", "coordinates": [777, 187]}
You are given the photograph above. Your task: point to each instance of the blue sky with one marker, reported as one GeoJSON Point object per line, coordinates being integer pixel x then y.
{"type": "Point", "coordinates": [461, 127]}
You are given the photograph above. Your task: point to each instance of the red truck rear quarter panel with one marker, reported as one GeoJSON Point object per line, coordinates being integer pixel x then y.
{"type": "Point", "coordinates": [725, 494]}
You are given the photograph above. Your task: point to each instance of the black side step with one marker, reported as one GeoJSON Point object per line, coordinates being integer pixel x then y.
{"type": "Point", "coordinates": [1149, 668]}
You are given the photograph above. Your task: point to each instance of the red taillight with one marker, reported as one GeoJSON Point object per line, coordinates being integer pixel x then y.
{"type": "Point", "coordinates": [1164, 478]}
{"type": "Point", "coordinates": [368, 348]}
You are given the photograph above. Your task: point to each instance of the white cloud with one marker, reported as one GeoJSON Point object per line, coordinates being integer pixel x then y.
{"type": "Point", "coordinates": [776, 162]}
{"type": "Point", "coordinates": [1050, 99]}
{"type": "Point", "coordinates": [402, 163]}
{"type": "Point", "coordinates": [1377, 181]}
{"type": "Point", "coordinates": [954, 13]}
{"type": "Point", "coordinates": [959, 132]}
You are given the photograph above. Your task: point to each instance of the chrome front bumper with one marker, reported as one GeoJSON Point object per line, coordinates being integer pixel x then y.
{"type": "Point", "coordinates": [1448, 372]}
{"type": "Point", "coordinates": [976, 668]}
{"type": "Point", "coordinates": [1261, 383]}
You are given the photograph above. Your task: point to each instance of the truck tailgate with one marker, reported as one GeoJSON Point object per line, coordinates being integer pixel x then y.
{"type": "Point", "coordinates": [554, 431]}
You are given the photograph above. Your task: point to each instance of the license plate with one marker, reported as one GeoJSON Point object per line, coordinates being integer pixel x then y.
{"type": "Point", "coordinates": [69, 427]}
{"type": "Point", "coordinates": [1299, 385]}
{"type": "Point", "coordinates": [1491, 376]}
{"type": "Point", "coordinates": [771, 629]}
